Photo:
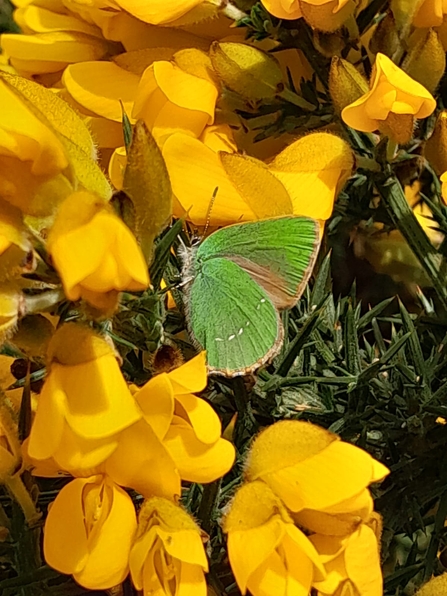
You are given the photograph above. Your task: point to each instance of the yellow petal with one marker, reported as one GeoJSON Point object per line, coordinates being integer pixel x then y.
{"type": "Point", "coordinates": [249, 549]}
{"type": "Point", "coordinates": [35, 19]}
{"type": "Point", "coordinates": [66, 520]}
{"type": "Point", "coordinates": [75, 453]}
{"type": "Point", "coordinates": [100, 87]}
{"type": "Point", "coordinates": [270, 577]}
{"type": "Point", "coordinates": [203, 419]}
{"type": "Point", "coordinates": [260, 189]}
{"type": "Point", "coordinates": [312, 170]}
{"type": "Point", "coordinates": [192, 581]}
{"type": "Point", "coordinates": [191, 376]}
{"type": "Point", "coordinates": [45, 436]}
{"type": "Point", "coordinates": [158, 11]}
{"type": "Point", "coordinates": [301, 543]}
{"type": "Point", "coordinates": [283, 9]}
{"type": "Point", "coordinates": [139, 554]}
{"type": "Point", "coordinates": [143, 463]}
{"type": "Point", "coordinates": [24, 136]}
{"type": "Point", "coordinates": [196, 461]}
{"type": "Point", "coordinates": [99, 403]}
{"type": "Point", "coordinates": [107, 563]}
{"type": "Point", "coordinates": [284, 444]}
{"type": "Point", "coordinates": [185, 545]}
{"type": "Point", "coordinates": [156, 400]}
{"type": "Point", "coordinates": [58, 47]}
{"type": "Point", "coordinates": [363, 562]}
{"type": "Point", "coordinates": [195, 172]}
{"type": "Point", "coordinates": [334, 475]}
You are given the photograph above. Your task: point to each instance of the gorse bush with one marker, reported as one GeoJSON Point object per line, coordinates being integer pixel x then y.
{"type": "Point", "coordinates": [223, 298]}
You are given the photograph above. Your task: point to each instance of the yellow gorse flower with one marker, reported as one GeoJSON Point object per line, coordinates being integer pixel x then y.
{"type": "Point", "coordinates": [89, 532]}
{"type": "Point", "coordinates": [311, 468]}
{"type": "Point", "coordinates": [94, 252]}
{"type": "Point", "coordinates": [352, 563]}
{"type": "Point", "coordinates": [268, 554]}
{"type": "Point", "coordinates": [303, 179]}
{"type": "Point", "coordinates": [84, 404]}
{"type": "Point", "coordinates": [168, 557]}
{"type": "Point", "coordinates": [187, 425]}
{"type": "Point", "coordinates": [392, 104]}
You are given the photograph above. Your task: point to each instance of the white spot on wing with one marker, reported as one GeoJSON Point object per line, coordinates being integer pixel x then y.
{"type": "Point", "coordinates": [241, 331]}
{"type": "Point", "coordinates": [247, 323]}
{"type": "Point", "coordinates": [262, 300]}
{"type": "Point", "coordinates": [231, 337]}
{"type": "Point", "coordinates": [218, 339]}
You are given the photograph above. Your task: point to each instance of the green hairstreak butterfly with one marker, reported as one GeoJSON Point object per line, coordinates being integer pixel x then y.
{"type": "Point", "coordinates": [238, 279]}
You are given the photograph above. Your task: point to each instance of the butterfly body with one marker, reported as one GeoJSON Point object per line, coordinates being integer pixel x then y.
{"type": "Point", "coordinates": [239, 278]}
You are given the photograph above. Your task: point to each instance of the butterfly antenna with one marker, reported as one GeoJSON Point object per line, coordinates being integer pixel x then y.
{"type": "Point", "coordinates": [210, 208]}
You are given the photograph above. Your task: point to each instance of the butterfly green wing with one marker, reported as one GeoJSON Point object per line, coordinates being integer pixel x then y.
{"type": "Point", "coordinates": [279, 254]}
{"type": "Point", "coordinates": [232, 318]}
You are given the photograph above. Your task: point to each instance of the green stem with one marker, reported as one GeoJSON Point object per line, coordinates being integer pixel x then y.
{"type": "Point", "coordinates": [391, 148]}
{"type": "Point", "coordinates": [291, 97]}
{"type": "Point", "coordinates": [208, 505]}
{"type": "Point", "coordinates": [403, 218]}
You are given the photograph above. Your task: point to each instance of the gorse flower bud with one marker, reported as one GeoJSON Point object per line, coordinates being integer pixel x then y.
{"type": "Point", "coordinates": [425, 62]}
{"type": "Point", "coordinates": [346, 84]}
{"type": "Point", "coordinates": [436, 146]}
{"type": "Point", "coordinates": [252, 73]}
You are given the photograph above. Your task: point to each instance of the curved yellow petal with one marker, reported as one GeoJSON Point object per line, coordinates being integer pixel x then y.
{"type": "Point", "coordinates": [195, 172]}
{"type": "Point", "coordinates": [142, 462]}
{"type": "Point", "coordinates": [185, 545]}
{"type": "Point", "coordinates": [270, 577]}
{"type": "Point", "coordinates": [202, 417]}
{"type": "Point", "coordinates": [65, 540]}
{"type": "Point", "coordinates": [283, 9]}
{"type": "Point", "coordinates": [362, 561]}
{"type": "Point", "coordinates": [158, 12]}
{"type": "Point", "coordinates": [156, 400]}
{"type": "Point", "coordinates": [192, 581]}
{"type": "Point", "coordinates": [59, 46]}
{"type": "Point", "coordinates": [185, 90]}
{"type": "Point", "coordinates": [99, 403]}
{"type": "Point", "coordinates": [48, 425]}
{"type": "Point", "coordinates": [190, 376]}
{"type": "Point", "coordinates": [249, 549]}
{"type": "Point", "coordinates": [138, 555]}
{"type": "Point", "coordinates": [107, 563]}
{"type": "Point", "coordinates": [36, 19]}
{"type": "Point", "coordinates": [76, 453]}
{"type": "Point", "coordinates": [196, 461]}
{"type": "Point", "coordinates": [100, 87]}
{"type": "Point", "coordinates": [313, 169]}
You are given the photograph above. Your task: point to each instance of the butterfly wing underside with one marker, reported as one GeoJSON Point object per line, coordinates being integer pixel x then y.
{"type": "Point", "coordinates": [232, 317]}
{"type": "Point", "coordinates": [279, 254]}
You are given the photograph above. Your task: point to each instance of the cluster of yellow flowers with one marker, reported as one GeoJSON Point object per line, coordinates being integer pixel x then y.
{"type": "Point", "coordinates": [90, 424]}
{"type": "Point", "coordinates": [304, 517]}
